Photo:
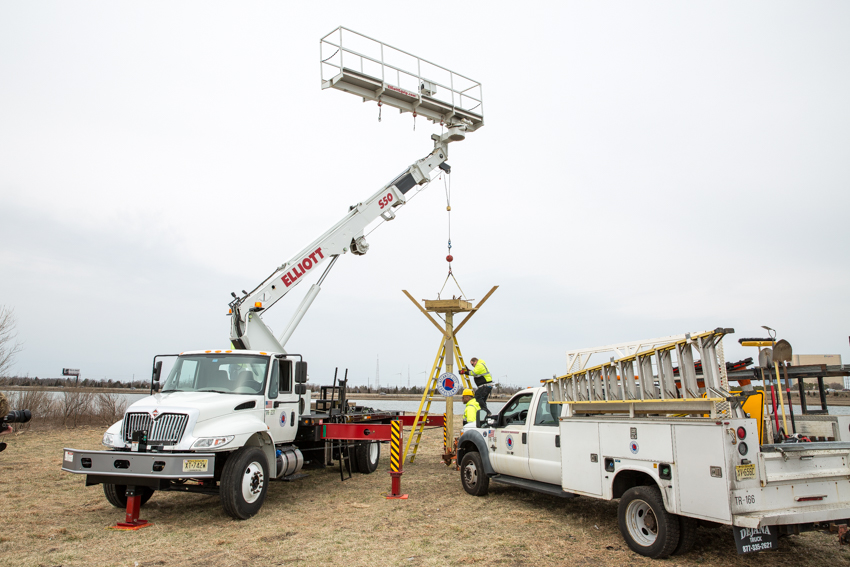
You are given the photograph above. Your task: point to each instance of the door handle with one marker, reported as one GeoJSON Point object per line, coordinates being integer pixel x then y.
{"type": "Point", "coordinates": [524, 438]}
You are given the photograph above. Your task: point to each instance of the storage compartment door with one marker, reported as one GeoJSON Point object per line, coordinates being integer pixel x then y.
{"type": "Point", "coordinates": [700, 494]}
{"type": "Point", "coordinates": [581, 463]}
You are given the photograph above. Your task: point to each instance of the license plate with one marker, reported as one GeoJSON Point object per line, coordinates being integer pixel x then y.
{"type": "Point", "coordinates": [195, 465]}
{"type": "Point", "coordinates": [745, 472]}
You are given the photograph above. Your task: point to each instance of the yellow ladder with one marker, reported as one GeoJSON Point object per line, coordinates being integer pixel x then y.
{"type": "Point", "coordinates": [428, 396]}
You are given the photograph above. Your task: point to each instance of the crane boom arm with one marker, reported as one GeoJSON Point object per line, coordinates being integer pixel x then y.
{"type": "Point", "coordinates": [247, 331]}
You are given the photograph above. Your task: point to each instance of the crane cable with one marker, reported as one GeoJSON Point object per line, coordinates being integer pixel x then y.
{"type": "Point", "coordinates": [447, 184]}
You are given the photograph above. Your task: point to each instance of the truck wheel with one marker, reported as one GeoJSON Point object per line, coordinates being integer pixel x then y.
{"type": "Point", "coordinates": [117, 494]}
{"type": "Point", "coordinates": [244, 482]}
{"type": "Point", "coordinates": [367, 456]}
{"type": "Point", "coordinates": [646, 526]}
{"type": "Point", "coordinates": [687, 535]}
{"type": "Point", "coordinates": [472, 475]}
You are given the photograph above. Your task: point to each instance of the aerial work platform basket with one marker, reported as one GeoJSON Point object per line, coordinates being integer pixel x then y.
{"type": "Point", "coordinates": [641, 378]}
{"type": "Point", "coordinates": [373, 70]}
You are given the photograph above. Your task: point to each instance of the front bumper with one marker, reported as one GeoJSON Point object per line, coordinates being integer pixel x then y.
{"type": "Point", "coordinates": [119, 464]}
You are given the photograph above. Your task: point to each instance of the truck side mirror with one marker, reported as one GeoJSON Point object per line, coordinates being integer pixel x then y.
{"type": "Point", "coordinates": [300, 372]}
{"type": "Point", "coordinates": [300, 389]}
{"type": "Point", "coordinates": [481, 418]}
{"type": "Point", "coordinates": [157, 370]}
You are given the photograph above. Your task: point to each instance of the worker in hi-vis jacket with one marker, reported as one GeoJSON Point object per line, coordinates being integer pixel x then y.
{"type": "Point", "coordinates": [483, 380]}
{"type": "Point", "coordinates": [470, 412]}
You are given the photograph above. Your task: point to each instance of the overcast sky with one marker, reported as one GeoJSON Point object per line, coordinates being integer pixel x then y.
{"type": "Point", "coordinates": [645, 169]}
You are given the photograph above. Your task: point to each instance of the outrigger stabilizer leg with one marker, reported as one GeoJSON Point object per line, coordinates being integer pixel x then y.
{"type": "Point", "coordinates": [131, 520]}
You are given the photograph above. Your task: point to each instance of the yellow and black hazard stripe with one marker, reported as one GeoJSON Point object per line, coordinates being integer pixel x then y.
{"type": "Point", "coordinates": [395, 447]}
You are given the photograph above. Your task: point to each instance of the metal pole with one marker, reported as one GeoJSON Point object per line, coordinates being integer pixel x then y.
{"type": "Point", "coordinates": [802, 389]}
{"type": "Point", "coordinates": [766, 404]}
{"type": "Point", "coordinates": [788, 390]}
{"type": "Point", "coordinates": [395, 461]}
{"type": "Point", "coordinates": [781, 401]}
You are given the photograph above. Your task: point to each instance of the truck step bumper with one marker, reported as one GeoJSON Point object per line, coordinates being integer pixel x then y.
{"type": "Point", "coordinates": [810, 514]}
{"type": "Point", "coordinates": [144, 465]}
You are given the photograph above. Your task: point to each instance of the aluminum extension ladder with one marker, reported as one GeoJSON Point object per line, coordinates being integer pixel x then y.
{"type": "Point", "coordinates": [641, 378]}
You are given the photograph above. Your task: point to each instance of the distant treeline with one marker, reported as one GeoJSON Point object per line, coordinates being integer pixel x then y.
{"type": "Point", "coordinates": [64, 382]}
{"type": "Point", "coordinates": [71, 381]}
{"type": "Point", "coordinates": [70, 408]}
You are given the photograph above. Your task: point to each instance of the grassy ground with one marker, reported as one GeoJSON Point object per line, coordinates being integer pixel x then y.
{"type": "Point", "coordinates": [49, 518]}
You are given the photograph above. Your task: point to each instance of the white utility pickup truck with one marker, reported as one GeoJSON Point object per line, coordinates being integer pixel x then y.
{"type": "Point", "coordinates": [670, 473]}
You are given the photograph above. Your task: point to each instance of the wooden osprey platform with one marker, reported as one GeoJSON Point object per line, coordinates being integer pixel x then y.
{"type": "Point", "coordinates": [447, 305]}
{"type": "Point", "coordinates": [448, 352]}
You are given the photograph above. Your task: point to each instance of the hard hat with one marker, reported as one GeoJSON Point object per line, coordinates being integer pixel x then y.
{"type": "Point", "coordinates": [468, 392]}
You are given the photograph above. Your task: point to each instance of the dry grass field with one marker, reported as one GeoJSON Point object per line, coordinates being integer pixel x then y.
{"type": "Point", "coordinates": [49, 518]}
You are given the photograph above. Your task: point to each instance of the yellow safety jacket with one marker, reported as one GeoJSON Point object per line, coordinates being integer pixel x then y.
{"type": "Point", "coordinates": [471, 411]}
{"type": "Point", "coordinates": [481, 370]}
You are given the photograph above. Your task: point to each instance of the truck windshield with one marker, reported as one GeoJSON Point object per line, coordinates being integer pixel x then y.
{"type": "Point", "coordinates": [229, 374]}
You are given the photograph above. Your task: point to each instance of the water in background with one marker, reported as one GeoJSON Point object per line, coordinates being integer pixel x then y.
{"type": "Point", "coordinates": [410, 406]}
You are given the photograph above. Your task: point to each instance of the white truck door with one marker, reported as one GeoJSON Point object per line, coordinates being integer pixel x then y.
{"type": "Point", "coordinates": [281, 411]}
{"type": "Point", "coordinates": [544, 436]}
{"type": "Point", "coordinates": [511, 454]}
{"type": "Point", "coordinates": [700, 473]}
{"type": "Point", "coordinates": [581, 462]}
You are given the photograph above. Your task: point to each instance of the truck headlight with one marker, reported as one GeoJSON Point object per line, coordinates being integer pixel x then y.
{"type": "Point", "coordinates": [108, 439]}
{"type": "Point", "coordinates": [210, 442]}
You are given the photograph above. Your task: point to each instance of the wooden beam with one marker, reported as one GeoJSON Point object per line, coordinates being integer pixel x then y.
{"type": "Point", "coordinates": [477, 307]}
{"type": "Point", "coordinates": [416, 303]}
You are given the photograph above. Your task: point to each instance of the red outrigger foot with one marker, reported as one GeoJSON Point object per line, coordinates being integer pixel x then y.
{"type": "Point", "coordinates": [132, 521]}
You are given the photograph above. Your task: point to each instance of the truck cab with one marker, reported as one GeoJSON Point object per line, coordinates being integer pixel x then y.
{"type": "Point", "coordinates": [519, 445]}
{"type": "Point", "coordinates": [223, 422]}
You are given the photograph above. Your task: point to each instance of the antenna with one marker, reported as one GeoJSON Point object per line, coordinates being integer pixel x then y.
{"type": "Point", "coordinates": [373, 70]}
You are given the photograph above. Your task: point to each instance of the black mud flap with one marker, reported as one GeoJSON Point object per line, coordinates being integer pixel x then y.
{"type": "Point", "coordinates": [748, 540]}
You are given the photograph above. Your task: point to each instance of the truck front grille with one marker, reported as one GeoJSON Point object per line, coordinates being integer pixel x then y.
{"type": "Point", "coordinates": [167, 429]}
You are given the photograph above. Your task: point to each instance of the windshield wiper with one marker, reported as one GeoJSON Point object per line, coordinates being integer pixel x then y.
{"type": "Point", "coordinates": [169, 391]}
{"type": "Point", "coordinates": [216, 391]}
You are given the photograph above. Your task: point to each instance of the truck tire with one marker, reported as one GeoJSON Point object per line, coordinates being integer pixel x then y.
{"type": "Point", "coordinates": [244, 482]}
{"type": "Point", "coordinates": [644, 523]}
{"type": "Point", "coordinates": [687, 535]}
{"type": "Point", "coordinates": [117, 494]}
{"type": "Point", "coordinates": [367, 456]}
{"type": "Point", "coordinates": [475, 481]}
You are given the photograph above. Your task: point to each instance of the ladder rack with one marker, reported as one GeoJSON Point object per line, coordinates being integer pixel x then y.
{"type": "Point", "coordinates": [642, 378]}
{"type": "Point", "coordinates": [373, 70]}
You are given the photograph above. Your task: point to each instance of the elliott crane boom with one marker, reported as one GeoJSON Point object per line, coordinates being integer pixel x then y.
{"type": "Point", "coordinates": [457, 107]}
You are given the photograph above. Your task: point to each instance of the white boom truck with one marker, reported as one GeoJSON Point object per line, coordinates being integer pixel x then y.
{"type": "Point", "coordinates": [226, 421]}
{"type": "Point", "coordinates": [640, 430]}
